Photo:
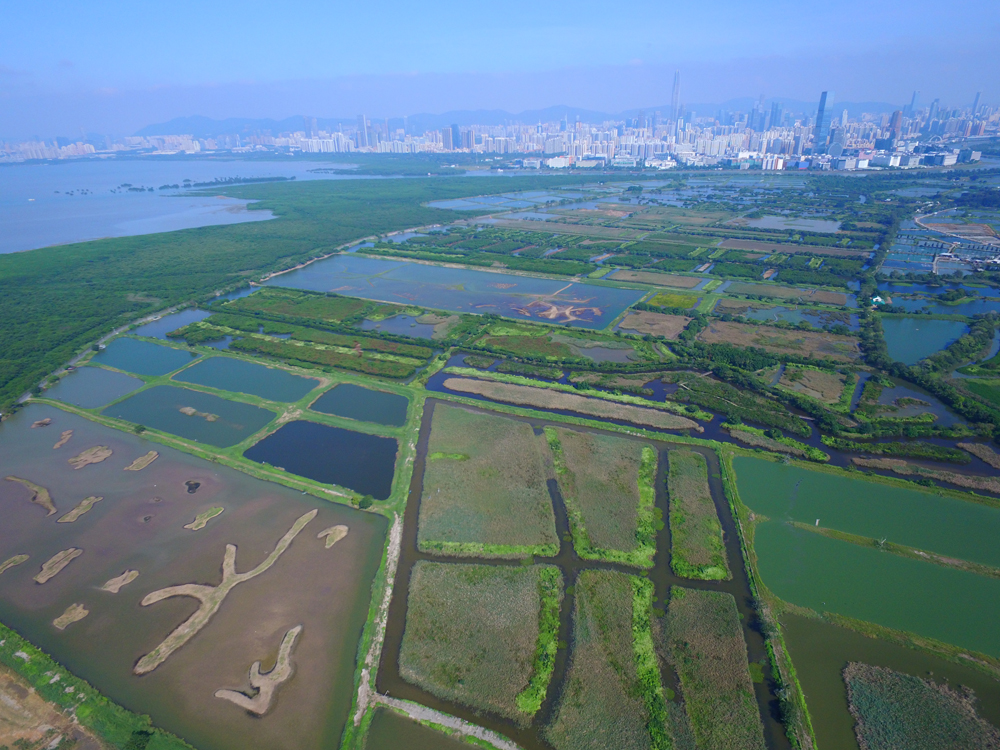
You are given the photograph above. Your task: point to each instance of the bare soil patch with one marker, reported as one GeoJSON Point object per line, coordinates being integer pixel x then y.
{"type": "Point", "coordinates": [27, 720]}
{"type": "Point", "coordinates": [94, 455]}
{"type": "Point", "coordinates": [656, 324]}
{"type": "Point", "coordinates": [783, 340]}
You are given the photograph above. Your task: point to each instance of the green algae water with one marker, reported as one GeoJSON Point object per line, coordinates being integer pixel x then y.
{"type": "Point", "coordinates": [925, 520]}
{"type": "Point", "coordinates": [820, 650]}
{"type": "Point", "coordinates": [140, 525]}
{"type": "Point", "coordinates": [192, 414]}
{"type": "Point", "coordinates": [829, 575]}
{"type": "Point", "coordinates": [391, 731]}
{"type": "Point", "coordinates": [229, 374]}
{"type": "Point", "coordinates": [93, 387]}
{"type": "Point", "coordinates": [142, 357]}
{"type": "Point", "coordinates": [363, 404]}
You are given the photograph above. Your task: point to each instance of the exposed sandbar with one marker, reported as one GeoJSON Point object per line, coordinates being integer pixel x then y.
{"type": "Point", "coordinates": [42, 423]}
{"type": "Point", "coordinates": [201, 520]}
{"type": "Point", "coordinates": [266, 684]}
{"type": "Point", "coordinates": [333, 535]}
{"type": "Point", "coordinates": [192, 412]}
{"type": "Point", "coordinates": [84, 507]}
{"type": "Point", "coordinates": [12, 562]}
{"type": "Point", "coordinates": [56, 563]}
{"type": "Point", "coordinates": [91, 456]}
{"type": "Point", "coordinates": [39, 495]}
{"type": "Point", "coordinates": [211, 597]}
{"type": "Point", "coordinates": [63, 439]}
{"type": "Point", "coordinates": [143, 461]}
{"type": "Point", "coordinates": [73, 613]}
{"type": "Point", "coordinates": [119, 582]}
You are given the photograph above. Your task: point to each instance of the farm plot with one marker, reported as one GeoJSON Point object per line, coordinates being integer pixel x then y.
{"type": "Point", "coordinates": [697, 550]}
{"type": "Point", "coordinates": [782, 341]}
{"type": "Point", "coordinates": [788, 292]}
{"type": "Point", "coordinates": [658, 279]}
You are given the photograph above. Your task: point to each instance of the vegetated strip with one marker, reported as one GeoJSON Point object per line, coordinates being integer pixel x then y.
{"type": "Point", "coordinates": [910, 449]}
{"type": "Point", "coordinates": [704, 643]}
{"type": "Point", "coordinates": [697, 549]}
{"type": "Point", "coordinates": [898, 466]}
{"type": "Point", "coordinates": [542, 398]}
{"type": "Point", "coordinates": [550, 592]}
{"type": "Point", "coordinates": [758, 438]}
{"type": "Point", "coordinates": [983, 452]}
{"type": "Point", "coordinates": [327, 357]}
{"type": "Point", "coordinates": [609, 493]}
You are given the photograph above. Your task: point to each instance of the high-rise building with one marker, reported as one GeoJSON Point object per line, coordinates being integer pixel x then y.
{"type": "Point", "coordinates": [456, 136]}
{"type": "Point", "coordinates": [363, 139]}
{"type": "Point", "coordinates": [675, 97]}
{"type": "Point", "coordinates": [824, 114]}
{"type": "Point", "coordinates": [446, 142]}
{"type": "Point", "coordinates": [975, 103]}
{"type": "Point", "coordinates": [777, 112]}
{"type": "Point", "coordinates": [896, 124]}
{"type": "Point", "coordinates": [911, 109]}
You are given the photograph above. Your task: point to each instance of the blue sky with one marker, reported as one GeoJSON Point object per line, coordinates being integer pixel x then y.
{"type": "Point", "coordinates": [114, 67]}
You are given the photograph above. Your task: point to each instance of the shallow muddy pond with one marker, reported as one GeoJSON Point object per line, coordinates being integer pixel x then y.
{"type": "Point", "coordinates": [139, 525]}
{"type": "Point", "coordinates": [142, 357]}
{"type": "Point", "coordinates": [363, 404]}
{"type": "Point", "coordinates": [236, 375]}
{"type": "Point", "coordinates": [911, 339]}
{"type": "Point", "coordinates": [817, 318]}
{"type": "Point", "coordinates": [400, 325]}
{"type": "Point", "coordinates": [331, 455]}
{"type": "Point", "coordinates": [391, 731]}
{"type": "Point", "coordinates": [93, 387]}
{"type": "Point", "coordinates": [193, 415]}
{"type": "Point", "coordinates": [956, 528]}
{"type": "Point", "coordinates": [463, 290]}
{"type": "Point", "coordinates": [821, 650]}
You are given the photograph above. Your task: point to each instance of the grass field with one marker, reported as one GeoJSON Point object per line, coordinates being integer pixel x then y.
{"type": "Point", "coordinates": [658, 279]}
{"type": "Point", "coordinates": [658, 324]}
{"type": "Point", "coordinates": [484, 488]}
{"type": "Point", "coordinates": [782, 341]}
{"type": "Point", "coordinates": [988, 389]}
{"type": "Point", "coordinates": [607, 484]}
{"type": "Point", "coordinates": [472, 633]}
{"type": "Point", "coordinates": [704, 643]}
{"type": "Point", "coordinates": [697, 550]}
{"type": "Point", "coordinates": [601, 704]}
{"type": "Point", "coordinates": [670, 299]}
{"type": "Point", "coordinates": [895, 710]}
{"type": "Point", "coordinates": [788, 292]}
{"type": "Point", "coordinates": [821, 385]}
{"type": "Point", "coordinates": [298, 304]}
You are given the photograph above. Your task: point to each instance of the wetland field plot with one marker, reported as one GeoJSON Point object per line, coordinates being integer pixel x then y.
{"type": "Point", "coordinates": [482, 635]}
{"type": "Point", "coordinates": [696, 534]}
{"type": "Point", "coordinates": [484, 488]}
{"type": "Point", "coordinates": [168, 617]}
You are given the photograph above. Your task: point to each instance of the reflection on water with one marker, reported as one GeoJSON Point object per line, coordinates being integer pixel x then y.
{"type": "Point", "coordinates": [236, 375]}
{"type": "Point", "coordinates": [400, 325]}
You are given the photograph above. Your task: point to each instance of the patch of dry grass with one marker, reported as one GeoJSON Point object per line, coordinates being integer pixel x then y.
{"type": "Point", "coordinates": [822, 385]}
{"type": "Point", "coordinates": [782, 340]}
{"type": "Point", "coordinates": [656, 324]}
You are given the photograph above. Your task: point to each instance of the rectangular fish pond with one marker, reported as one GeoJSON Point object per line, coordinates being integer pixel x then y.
{"type": "Point", "coordinates": [229, 374]}
{"type": "Point", "coordinates": [463, 290]}
{"type": "Point", "coordinates": [331, 455]}
{"type": "Point", "coordinates": [142, 357]}
{"type": "Point", "coordinates": [93, 387]}
{"type": "Point", "coordinates": [166, 525]}
{"type": "Point", "coordinates": [363, 404]}
{"type": "Point", "coordinates": [192, 414]}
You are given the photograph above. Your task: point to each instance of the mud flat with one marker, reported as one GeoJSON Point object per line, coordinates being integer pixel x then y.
{"type": "Point", "coordinates": [94, 455]}
{"type": "Point", "coordinates": [39, 495]}
{"type": "Point", "coordinates": [201, 520]}
{"type": "Point", "coordinates": [545, 398]}
{"type": "Point", "coordinates": [73, 613]}
{"type": "Point", "coordinates": [84, 507]}
{"type": "Point", "coordinates": [656, 324]}
{"type": "Point", "coordinates": [143, 461]}
{"type": "Point", "coordinates": [265, 684]}
{"type": "Point", "coordinates": [56, 563]}
{"type": "Point", "coordinates": [333, 535]}
{"type": "Point", "coordinates": [12, 562]}
{"type": "Point", "coordinates": [63, 439]}
{"type": "Point", "coordinates": [117, 583]}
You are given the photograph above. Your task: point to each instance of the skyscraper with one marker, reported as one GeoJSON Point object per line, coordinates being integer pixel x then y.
{"type": "Point", "coordinates": [363, 131]}
{"type": "Point", "coordinates": [675, 98]}
{"type": "Point", "coordinates": [456, 137]}
{"type": "Point", "coordinates": [823, 116]}
{"type": "Point", "coordinates": [777, 112]}
{"type": "Point", "coordinates": [911, 109]}
{"type": "Point", "coordinates": [896, 124]}
{"type": "Point", "coordinates": [975, 104]}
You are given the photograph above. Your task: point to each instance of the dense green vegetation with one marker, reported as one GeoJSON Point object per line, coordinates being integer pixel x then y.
{"type": "Point", "coordinates": [696, 548]}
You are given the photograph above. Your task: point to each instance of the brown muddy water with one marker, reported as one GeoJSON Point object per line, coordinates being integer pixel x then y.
{"type": "Point", "coordinates": [139, 525]}
{"type": "Point", "coordinates": [390, 682]}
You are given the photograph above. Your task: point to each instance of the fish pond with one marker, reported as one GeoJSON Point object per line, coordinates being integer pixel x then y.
{"type": "Point", "coordinates": [821, 650]}
{"type": "Point", "coordinates": [331, 455]}
{"type": "Point", "coordinates": [400, 325]}
{"type": "Point", "coordinates": [93, 387]}
{"type": "Point", "coordinates": [142, 525]}
{"type": "Point", "coordinates": [158, 329]}
{"type": "Point", "coordinates": [463, 290]}
{"type": "Point", "coordinates": [194, 415]}
{"type": "Point", "coordinates": [392, 731]}
{"type": "Point", "coordinates": [229, 374]}
{"type": "Point", "coordinates": [363, 404]}
{"type": "Point", "coordinates": [142, 357]}
{"type": "Point", "coordinates": [911, 339]}
{"type": "Point", "coordinates": [774, 313]}
{"type": "Point", "coordinates": [925, 520]}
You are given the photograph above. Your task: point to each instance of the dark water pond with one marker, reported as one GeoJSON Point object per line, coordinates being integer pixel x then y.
{"type": "Point", "coordinates": [972, 307]}
{"type": "Point", "coordinates": [932, 405]}
{"type": "Point", "coordinates": [331, 455]}
{"type": "Point", "coordinates": [93, 387]}
{"type": "Point", "coordinates": [391, 731]}
{"type": "Point", "coordinates": [139, 525]}
{"type": "Point", "coordinates": [159, 329]}
{"type": "Point", "coordinates": [821, 650]}
{"type": "Point", "coordinates": [911, 339]}
{"type": "Point", "coordinates": [160, 408]}
{"type": "Point", "coordinates": [142, 357]}
{"type": "Point", "coordinates": [401, 325]}
{"type": "Point", "coordinates": [236, 375]}
{"type": "Point", "coordinates": [364, 404]}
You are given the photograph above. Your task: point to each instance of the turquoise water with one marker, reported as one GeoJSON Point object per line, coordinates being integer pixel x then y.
{"type": "Point", "coordinates": [911, 339]}
{"type": "Point", "coordinates": [829, 575]}
{"type": "Point", "coordinates": [364, 404]}
{"type": "Point", "coordinates": [463, 290]}
{"type": "Point", "coordinates": [160, 408]}
{"type": "Point", "coordinates": [956, 528]}
{"type": "Point", "coordinates": [93, 387]}
{"type": "Point", "coordinates": [142, 357]}
{"type": "Point", "coordinates": [246, 377]}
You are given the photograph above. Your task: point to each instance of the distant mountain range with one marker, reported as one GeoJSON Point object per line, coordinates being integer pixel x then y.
{"type": "Point", "coordinates": [206, 127]}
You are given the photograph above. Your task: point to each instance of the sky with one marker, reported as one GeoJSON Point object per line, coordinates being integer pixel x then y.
{"type": "Point", "coordinates": [68, 68]}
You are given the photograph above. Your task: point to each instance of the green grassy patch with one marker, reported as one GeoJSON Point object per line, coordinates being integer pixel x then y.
{"type": "Point", "coordinates": [666, 299]}
{"type": "Point", "coordinates": [550, 591]}
{"type": "Point", "coordinates": [697, 550]}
